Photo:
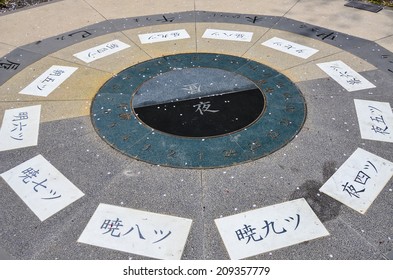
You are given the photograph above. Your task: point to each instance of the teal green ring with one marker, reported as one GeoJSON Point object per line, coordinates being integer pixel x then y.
{"type": "Point", "coordinates": [116, 123]}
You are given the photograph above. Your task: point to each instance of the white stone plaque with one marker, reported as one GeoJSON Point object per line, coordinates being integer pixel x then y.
{"type": "Point", "coordinates": [229, 35]}
{"type": "Point", "coordinates": [375, 120]}
{"type": "Point", "coordinates": [262, 230]}
{"type": "Point", "coordinates": [345, 75]}
{"type": "Point", "coordinates": [137, 232]}
{"type": "Point", "coordinates": [41, 186]}
{"type": "Point", "coordinates": [49, 81]}
{"type": "Point", "coordinates": [163, 36]}
{"type": "Point", "coordinates": [101, 51]}
{"type": "Point", "coordinates": [20, 128]}
{"type": "Point", "coordinates": [290, 47]}
{"type": "Point", "coordinates": [359, 180]}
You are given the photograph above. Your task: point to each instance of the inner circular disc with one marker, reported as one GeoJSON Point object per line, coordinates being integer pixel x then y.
{"type": "Point", "coordinates": [198, 110]}
{"type": "Point", "coordinates": [198, 102]}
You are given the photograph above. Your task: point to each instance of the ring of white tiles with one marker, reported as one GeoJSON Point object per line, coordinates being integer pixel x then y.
{"type": "Point", "coordinates": [356, 183]}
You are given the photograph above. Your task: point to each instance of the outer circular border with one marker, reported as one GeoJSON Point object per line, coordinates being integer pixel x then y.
{"type": "Point", "coordinates": [115, 121]}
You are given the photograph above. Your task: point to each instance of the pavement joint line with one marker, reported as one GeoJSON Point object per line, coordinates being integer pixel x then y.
{"type": "Point", "coordinates": [383, 38]}
{"type": "Point", "coordinates": [88, 4]}
{"type": "Point", "coordinates": [358, 234]}
{"type": "Point", "coordinates": [133, 42]}
{"type": "Point", "coordinates": [151, 57]}
{"type": "Point", "coordinates": [263, 35]}
{"type": "Point", "coordinates": [80, 63]}
{"type": "Point", "coordinates": [291, 8]}
{"type": "Point", "coordinates": [311, 61]}
{"type": "Point", "coordinates": [9, 45]}
{"type": "Point", "coordinates": [256, 42]}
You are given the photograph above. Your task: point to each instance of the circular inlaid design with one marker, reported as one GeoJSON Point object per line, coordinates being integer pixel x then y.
{"type": "Point", "coordinates": [198, 102]}
{"type": "Point", "coordinates": [198, 110]}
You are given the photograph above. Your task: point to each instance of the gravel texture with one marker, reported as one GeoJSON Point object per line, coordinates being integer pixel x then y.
{"type": "Point", "coordinates": [12, 5]}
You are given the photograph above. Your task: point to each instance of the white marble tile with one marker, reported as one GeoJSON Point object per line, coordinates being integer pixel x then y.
{"type": "Point", "coordinates": [41, 186]}
{"type": "Point", "coordinates": [138, 232]}
{"type": "Point", "coordinates": [262, 230]}
{"type": "Point", "coordinates": [49, 81]}
{"type": "Point", "coordinates": [345, 75]}
{"type": "Point", "coordinates": [229, 35]}
{"type": "Point", "coordinates": [290, 47]}
{"type": "Point", "coordinates": [375, 120]}
{"type": "Point", "coordinates": [359, 180]}
{"type": "Point", "coordinates": [171, 35]}
{"type": "Point", "coordinates": [101, 51]}
{"type": "Point", "coordinates": [20, 128]}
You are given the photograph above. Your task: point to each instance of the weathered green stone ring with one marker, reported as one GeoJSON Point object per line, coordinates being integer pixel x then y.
{"type": "Point", "coordinates": [198, 110]}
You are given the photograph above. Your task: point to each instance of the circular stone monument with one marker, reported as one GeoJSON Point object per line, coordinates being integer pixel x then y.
{"type": "Point", "coordinates": [198, 110]}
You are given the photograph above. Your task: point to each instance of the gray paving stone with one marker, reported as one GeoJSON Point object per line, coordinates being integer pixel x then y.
{"type": "Point", "coordinates": [4, 255]}
{"type": "Point", "coordinates": [390, 255]}
{"type": "Point", "coordinates": [333, 247]}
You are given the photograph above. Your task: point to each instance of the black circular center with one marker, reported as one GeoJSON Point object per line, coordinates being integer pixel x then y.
{"type": "Point", "coordinates": [198, 102]}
